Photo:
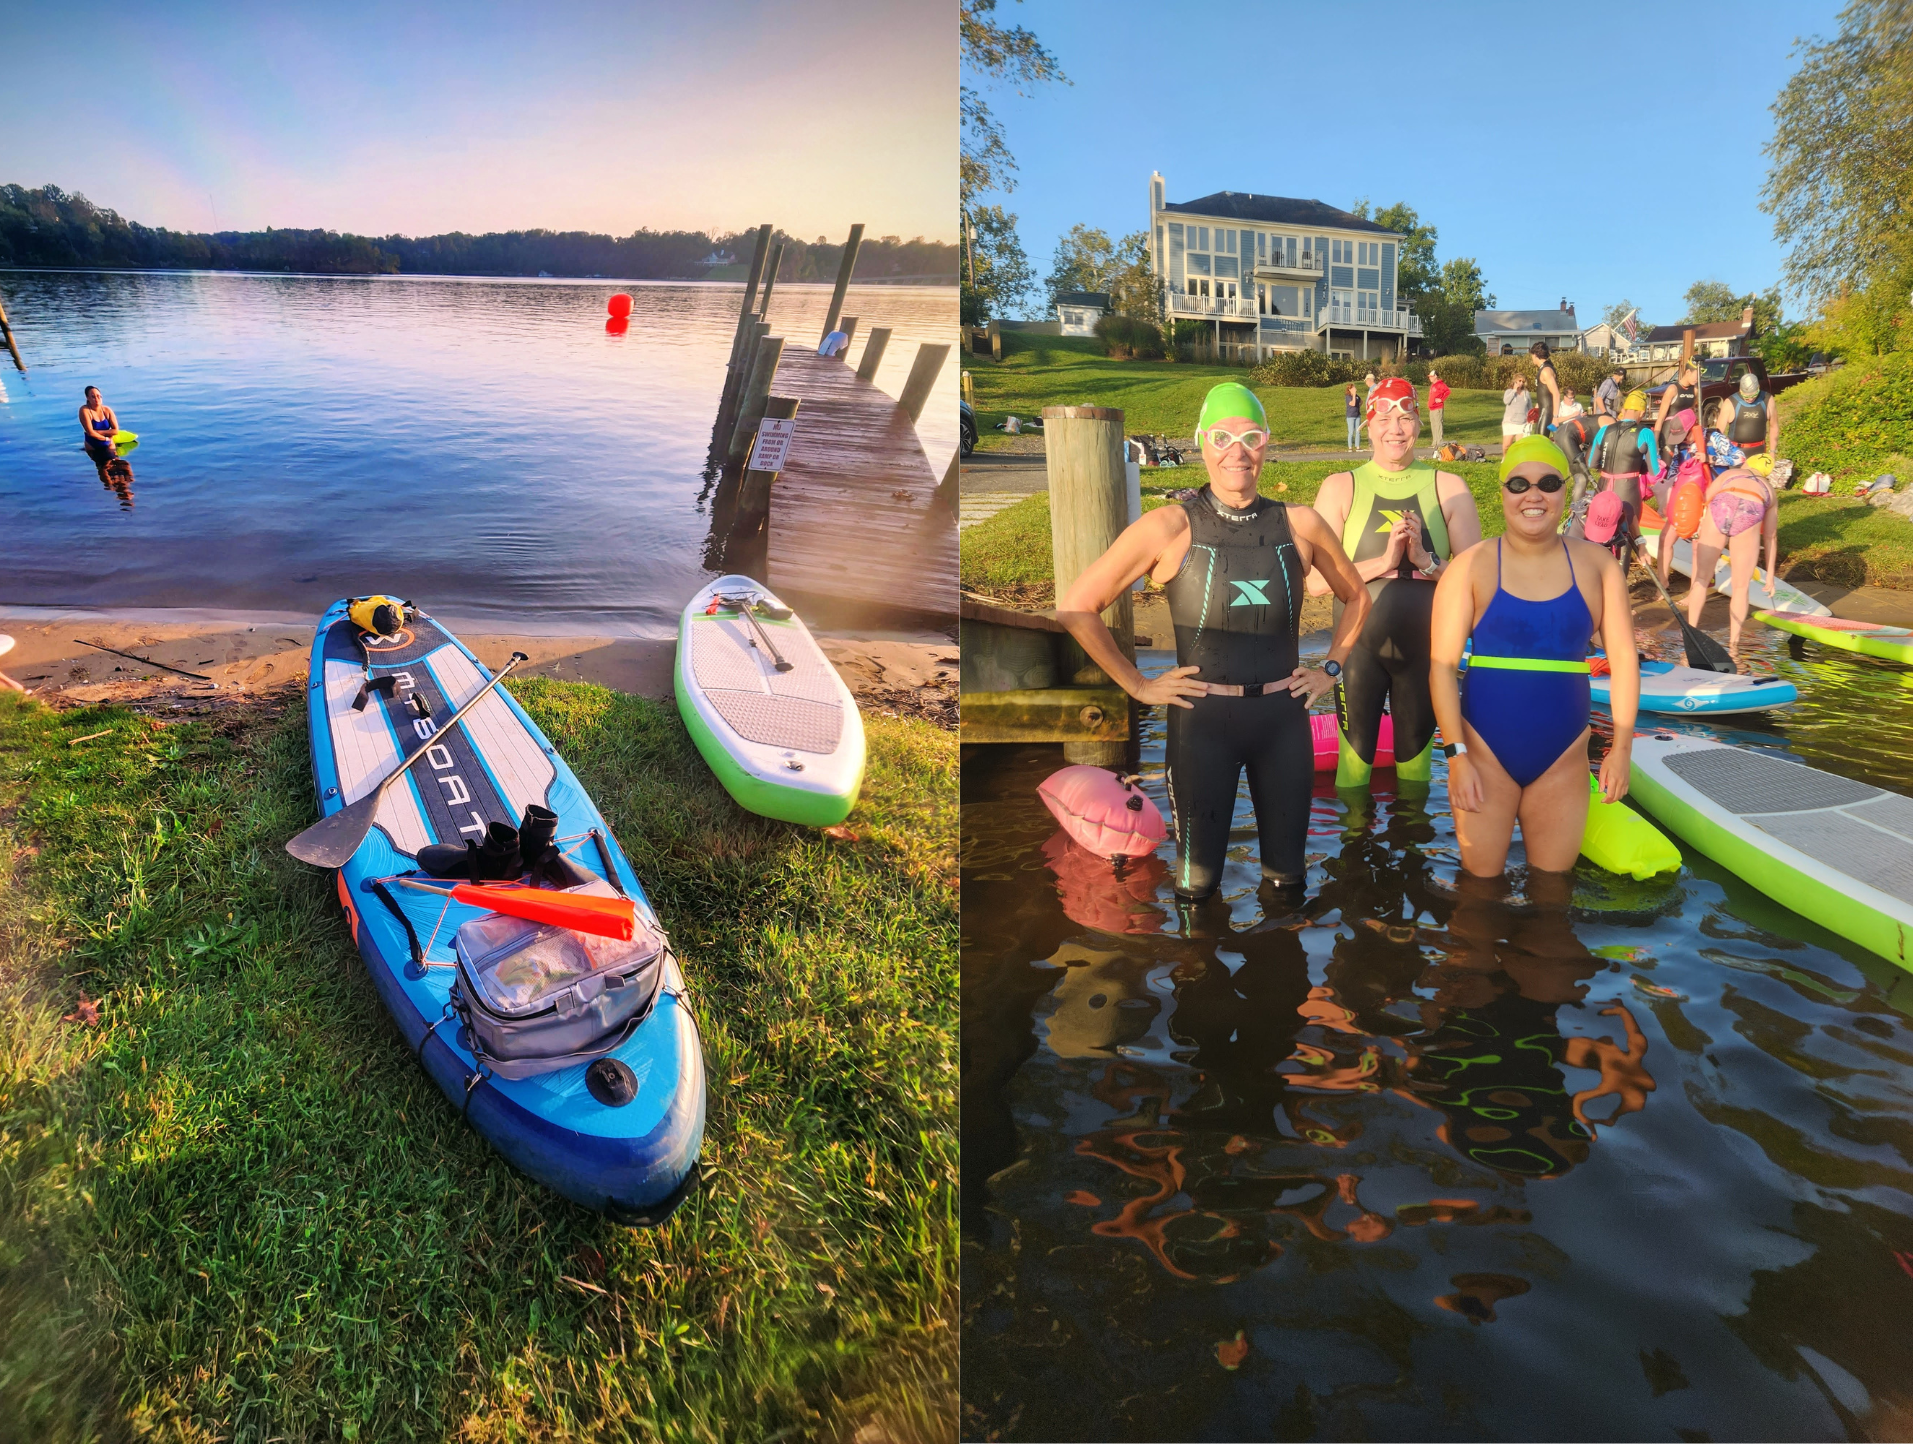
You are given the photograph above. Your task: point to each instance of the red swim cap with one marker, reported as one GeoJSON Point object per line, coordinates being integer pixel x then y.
{"type": "Point", "coordinates": [1395, 391]}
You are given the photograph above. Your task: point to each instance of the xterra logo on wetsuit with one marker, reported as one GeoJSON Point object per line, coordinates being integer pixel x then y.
{"type": "Point", "coordinates": [1252, 594]}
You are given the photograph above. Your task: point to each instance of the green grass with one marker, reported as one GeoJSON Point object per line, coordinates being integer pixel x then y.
{"type": "Point", "coordinates": [1831, 540]}
{"type": "Point", "coordinates": [237, 1208]}
{"type": "Point", "coordinates": [1163, 397]}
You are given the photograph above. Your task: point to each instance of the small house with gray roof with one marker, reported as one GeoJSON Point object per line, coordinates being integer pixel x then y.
{"type": "Point", "coordinates": [1272, 273]}
{"type": "Point", "coordinates": [1512, 333]}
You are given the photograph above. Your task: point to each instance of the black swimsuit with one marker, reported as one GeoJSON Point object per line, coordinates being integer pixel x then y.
{"type": "Point", "coordinates": [1235, 604]}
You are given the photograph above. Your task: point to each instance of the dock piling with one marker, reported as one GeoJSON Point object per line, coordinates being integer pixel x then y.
{"type": "Point", "coordinates": [847, 324]}
{"type": "Point", "coordinates": [1087, 499]}
{"type": "Point", "coordinates": [773, 269]}
{"type": "Point", "coordinates": [848, 254]}
{"type": "Point", "coordinates": [920, 381]}
{"type": "Point", "coordinates": [753, 397]}
{"type": "Point", "coordinates": [877, 339]}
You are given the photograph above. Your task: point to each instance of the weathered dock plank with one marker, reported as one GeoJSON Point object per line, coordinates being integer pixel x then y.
{"type": "Point", "coordinates": [854, 523]}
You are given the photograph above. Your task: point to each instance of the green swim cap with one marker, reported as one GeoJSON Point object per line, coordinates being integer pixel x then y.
{"type": "Point", "coordinates": [1533, 448]}
{"type": "Point", "coordinates": [1227, 399]}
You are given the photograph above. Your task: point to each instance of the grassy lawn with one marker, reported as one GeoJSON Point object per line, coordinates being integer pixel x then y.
{"type": "Point", "coordinates": [1164, 397]}
{"type": "Point", "coordinates": [1831, 539]}
{"type": "Point", "coordinates": [236, 1208]}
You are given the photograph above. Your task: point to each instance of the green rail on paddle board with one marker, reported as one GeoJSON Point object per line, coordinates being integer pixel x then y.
{"type": "Point", "coordinates": [1776, 875]}
{"type": "Point", "coordinates": [1895, 644]}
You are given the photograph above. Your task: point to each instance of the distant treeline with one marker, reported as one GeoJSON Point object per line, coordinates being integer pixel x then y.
{"type": "Point", "coordinates": [49, 227]}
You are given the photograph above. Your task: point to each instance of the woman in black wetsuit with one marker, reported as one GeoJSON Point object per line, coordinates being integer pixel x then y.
{"type": "Point", "coordinates": [1234, 565]}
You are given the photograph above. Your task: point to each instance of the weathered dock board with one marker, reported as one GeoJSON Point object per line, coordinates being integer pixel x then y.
{"type": "Point", "coordinates": [854, 526]}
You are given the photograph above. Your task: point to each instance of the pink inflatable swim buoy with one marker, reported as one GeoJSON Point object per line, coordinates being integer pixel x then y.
{"type": "Point", "coordinates": [1326, 742]}
{"type": "Point", "coordinates": [1106, 816]}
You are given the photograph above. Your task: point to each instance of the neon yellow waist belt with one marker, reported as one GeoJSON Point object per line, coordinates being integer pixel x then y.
{"type": "Point", "coordinates": [1527, 664]}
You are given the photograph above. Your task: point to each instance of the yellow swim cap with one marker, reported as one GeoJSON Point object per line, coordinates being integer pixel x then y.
{"type": "Point", "coordinates": [1533, 448]}
{"type": "Point", "coordinates": [1634, 401]}
{"type": "Point", "coordinates": [1761, 463]}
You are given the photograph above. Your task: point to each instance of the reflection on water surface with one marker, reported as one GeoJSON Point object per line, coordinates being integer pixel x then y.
{"type": "Point", "coordinates": [1427, 1158]}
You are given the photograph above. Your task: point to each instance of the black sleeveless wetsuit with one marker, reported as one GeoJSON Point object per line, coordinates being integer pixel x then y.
{"type": "Point", "coordinates": [1235, 604]}
{"type": "Point", "coordinates": [1749, 428]}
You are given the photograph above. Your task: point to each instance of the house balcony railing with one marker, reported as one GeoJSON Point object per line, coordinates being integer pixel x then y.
{"type": "Point", "coordinates": [1311, 268]}
{"type": "Point", "coordinates": [1242, 309]}
{"type": "Point", "coordinates": [1361, 318]}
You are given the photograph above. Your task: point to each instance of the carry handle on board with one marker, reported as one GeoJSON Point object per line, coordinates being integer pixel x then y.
{"type": "Point", "coordinates": [333, 840]}
{"type": "Point", "coordinates": [1702, 651]}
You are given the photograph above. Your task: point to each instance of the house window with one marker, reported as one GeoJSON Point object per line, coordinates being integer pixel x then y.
{"type": "Point", "coordinates": [1263, 300]}
{"type": "Point", "coordinates": [1262, 248]}
{"type": "Point", "coordinates": [1200, 265]}
{"type": "Point", "coordinates": [1194, 241]}
{"type": "Point", "coordinates": [1293, 254]}
{"type": "Point", "coordinates": [1193, 286]}
{"type": "Point", "coordinates": [1283, 301]}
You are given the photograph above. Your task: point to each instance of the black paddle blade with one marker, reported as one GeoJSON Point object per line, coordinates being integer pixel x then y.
{"type": "Point", "coordinates": [333, 840]}
{"type": "Point", "coordinates": [1703, 652]}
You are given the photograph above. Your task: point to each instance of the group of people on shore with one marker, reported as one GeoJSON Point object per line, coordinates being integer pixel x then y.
{"type": "Point", "coordinates": [1397, 542]}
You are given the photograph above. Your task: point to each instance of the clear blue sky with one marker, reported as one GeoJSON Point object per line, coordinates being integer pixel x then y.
{"type": "Point", "coordinates": [422, 116]}
{"type": "Point", "coordinates": [1444, 106]}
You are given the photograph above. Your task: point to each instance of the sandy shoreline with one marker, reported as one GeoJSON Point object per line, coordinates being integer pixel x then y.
{"type": "Point", "coordinates": [904, 674]}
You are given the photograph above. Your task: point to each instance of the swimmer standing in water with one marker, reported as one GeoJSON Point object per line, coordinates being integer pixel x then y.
{"type": "Point", "coordinates": [1401, 521]}
{"type": "Point", "coordinates": [1517, 735]}
{"type": "Point", "coordinates": [1234, 564]}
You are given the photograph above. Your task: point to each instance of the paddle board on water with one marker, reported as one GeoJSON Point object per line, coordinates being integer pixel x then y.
{"type": "Point", "coordinates": [1834, 850]}
{"type": "Point", "coordinates": [1893, 643]}
{"type": "Point", "coordinates": [632, 1159]}
{"type": "Point", "coordinates": [1785, 597]}
{"type": "Point", "coordinates": [1669, 687]}
{"type": "Point", "coordinates": [786, 744]}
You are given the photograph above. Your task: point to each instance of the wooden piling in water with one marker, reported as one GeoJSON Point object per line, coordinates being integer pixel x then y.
{"type": "Point", "coordinates": [6, 335]}
{"type": "Point", "coordinates": [926, 371]}
{"type": "Point", "coordinates": [773, 269]}
{"type": "Point", "coordinates": [848, 254]}
{"type": "Point", "coordinates": [877, 340]}
{"type": "Point", "coordinates": [847, 325]}
{"type": "Point", "coordinates": [1087, 499]}
{"type": "Point", "coordinates": [741, 356]}
{"type": "Point", "coordinates": [753, 397]}
{"type": "Point", "coordinates": [756, 487]}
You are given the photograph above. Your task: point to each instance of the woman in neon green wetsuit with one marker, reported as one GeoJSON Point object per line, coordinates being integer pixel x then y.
{"type": "Point", "coordinates": [1401, 521]}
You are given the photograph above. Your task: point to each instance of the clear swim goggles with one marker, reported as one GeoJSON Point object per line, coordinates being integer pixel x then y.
{"type": "Point", "coordinates": [1383, 405]}
{"type": "Point", "coordinates": [1219, 438]}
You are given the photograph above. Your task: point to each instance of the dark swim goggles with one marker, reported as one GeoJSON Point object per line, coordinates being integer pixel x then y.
{"type": "Point", "coordinates": [1548, 484]}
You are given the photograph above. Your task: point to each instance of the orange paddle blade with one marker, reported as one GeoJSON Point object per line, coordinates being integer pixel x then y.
{"type": "Point", "coordinates": [608, 917]}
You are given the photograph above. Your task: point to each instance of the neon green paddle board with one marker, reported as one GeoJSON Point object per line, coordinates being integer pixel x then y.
{"type": "Point", "coordinates": [1893, 643]}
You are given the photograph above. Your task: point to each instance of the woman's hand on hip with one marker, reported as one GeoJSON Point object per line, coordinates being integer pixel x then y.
{"type": "Point", "coordinates": [1310, 683]}
{"type": "Point", "coordinates": [1171, 687]}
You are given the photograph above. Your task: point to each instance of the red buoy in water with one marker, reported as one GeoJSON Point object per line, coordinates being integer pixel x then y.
{"type": "Point", "coordinates": [619, 305]}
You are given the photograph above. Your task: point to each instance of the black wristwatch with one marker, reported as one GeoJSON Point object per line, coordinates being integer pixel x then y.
{"type": "Point", "coordinates": [1330, 667]}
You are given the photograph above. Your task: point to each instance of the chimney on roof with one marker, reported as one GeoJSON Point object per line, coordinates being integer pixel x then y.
{"type": "Point", "coordinates": [1746, 319]}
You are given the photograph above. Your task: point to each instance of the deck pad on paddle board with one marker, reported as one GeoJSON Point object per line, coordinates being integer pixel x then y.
{"type": "Point", "coordinates": [1834, 850]}
{"type": "Point", "coordinates": [631, 1160]}
{"type": "Point", "coordinates": [1669, 687]}
{"type": "Point", "coordinates": [1870, 638]}
{"type": "Point", "coordinates": [1786, 597]}
{"type": "Point", "coordinates": [787, 744]}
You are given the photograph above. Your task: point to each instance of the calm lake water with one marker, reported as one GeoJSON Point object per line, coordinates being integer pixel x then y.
{"type": "Point", "coordinates": [482, 446]}
{"type": "Point", "coordinates": [1212, 1138]}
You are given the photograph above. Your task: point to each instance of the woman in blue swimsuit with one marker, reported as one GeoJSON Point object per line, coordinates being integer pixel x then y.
{"type": "Point", "coordinates": [1531, 599]}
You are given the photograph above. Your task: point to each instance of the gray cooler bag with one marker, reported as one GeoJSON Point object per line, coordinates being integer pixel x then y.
{"type": "Point", "coordinates": [534, 997]}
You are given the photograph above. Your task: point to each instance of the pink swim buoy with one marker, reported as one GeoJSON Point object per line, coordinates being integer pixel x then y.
{"type": "Point", "coordinates": [619, 305]}
{"type": "Point", "coordinates": [1326, 742]}
{"type": "Point", "coordinates": [1106, 816]}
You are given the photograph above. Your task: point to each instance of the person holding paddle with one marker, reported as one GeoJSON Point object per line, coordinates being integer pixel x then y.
{"type": "Point", "coordinates": [1516, 741]}
{"type": "Point", "coordinates": [1741, 509]}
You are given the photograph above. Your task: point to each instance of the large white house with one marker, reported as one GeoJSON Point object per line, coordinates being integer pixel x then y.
{"type": "Point", "coordinates": [1272, 273]}
{"type": "Point", "coordinates": [1509, 333]}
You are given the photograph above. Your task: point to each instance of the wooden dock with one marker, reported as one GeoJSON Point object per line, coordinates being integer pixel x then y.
{"type": "Point", "coordinates": [854, 529]}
